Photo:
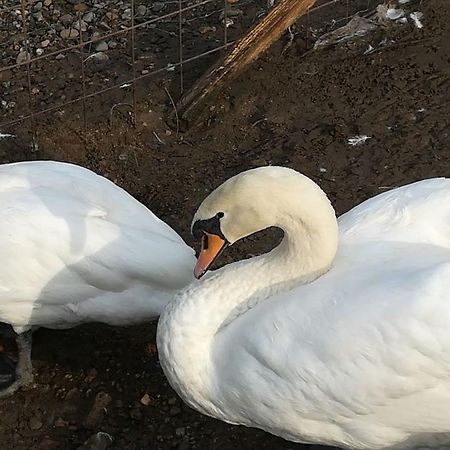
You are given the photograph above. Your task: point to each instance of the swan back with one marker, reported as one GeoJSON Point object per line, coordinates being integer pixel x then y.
{"type": "Point", "coordinates": [80, 248]}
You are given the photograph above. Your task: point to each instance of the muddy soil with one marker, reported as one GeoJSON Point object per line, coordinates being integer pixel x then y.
{"type": "Point", "coordinates": [292, 109]}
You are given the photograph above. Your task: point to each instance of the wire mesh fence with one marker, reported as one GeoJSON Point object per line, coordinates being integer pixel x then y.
{"type": "Point", "coordinates": [65, 53]}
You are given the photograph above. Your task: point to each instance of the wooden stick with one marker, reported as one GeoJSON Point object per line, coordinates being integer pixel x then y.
{"type": "Point", "coordinates": [244, 52]}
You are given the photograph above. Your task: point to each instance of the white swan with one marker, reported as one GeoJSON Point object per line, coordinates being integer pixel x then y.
{"type": "Point", "coordinates": [77, 248]}
{"type": "Point", "coordinates": [340, 335]}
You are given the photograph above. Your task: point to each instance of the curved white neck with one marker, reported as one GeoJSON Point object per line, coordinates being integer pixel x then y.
{"type": "Point", "coordinates": [189, 324]}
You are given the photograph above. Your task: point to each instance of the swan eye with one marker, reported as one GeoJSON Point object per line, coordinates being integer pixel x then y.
{"type": "Point", "coordinates": [220, 214]}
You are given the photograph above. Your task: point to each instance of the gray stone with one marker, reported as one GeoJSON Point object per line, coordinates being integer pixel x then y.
{"type": "Point", "coordinates": [88, 17]}
{"type": "Point", "coordinates": [22, 57]}
{"type": "Point", "coordinates": [141, 10]}
{"type": "Point", "coordinates": [69, 33]}
{"type": "Point", "coordinates": [101, 46]}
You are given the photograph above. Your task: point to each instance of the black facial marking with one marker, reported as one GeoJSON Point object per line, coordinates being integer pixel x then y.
{"type": "Point", "coordinates": [211, 226]}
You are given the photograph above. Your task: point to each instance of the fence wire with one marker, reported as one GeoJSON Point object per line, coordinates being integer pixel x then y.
{"type": "Point", "coordinates": [181, 16]}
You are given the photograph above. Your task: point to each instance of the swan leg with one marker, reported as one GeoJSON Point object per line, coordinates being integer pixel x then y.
{"type": "Point", "coordinates": [24, 368]}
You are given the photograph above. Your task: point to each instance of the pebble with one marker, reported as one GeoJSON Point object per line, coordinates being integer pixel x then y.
{"type": "Point", "coordinates": [47, 2]}
{"type": "Point", "coordinates": [101, 46]}
{"type": "Point", "coordinates": [88, 17]}
{"type": "Point", "coordinates": [61, 423]}
{"type": "Point", "coordinates": [98, 441]}
{"type": "Point", "coordinates": [44, 44]}
{"type": "Point", "coordinates": [66, 18]}
{"type": "Point", "coordinates": [80, 7]}
{"type": "Point", "coordinates": [37, 6]}
{"type": "Point", "coordinates": [158, 6]}
{"type": "Point", "coordinates": [69, 33]}
{"type": "Point", "coordinates": [126, 14]}
{"type": "Point", "coordinates": [22, 57]}
{"type": "Point", "coordinates": [180, 432]}
{"type": "Point", "coordinates": [34, 424]}
{"type": "Point", "coordinates": [111, 16]}
{"type": "Point", "coordinates": [80, 24]}
{"type": "Point", "coordinates": [112, 44]}
{"type": "Point", "coordinates": [38, 16]}
{"type": "Point", "coordinates": [141, 10]}
{"type": "Point", "coordinates": [146, 400]}
{"type": "Point", "coordinates": [206, 29]}
{"type": "Point", "coordinates": [35, 91]}
{"type": "Point", "coordinates": [60, 56]}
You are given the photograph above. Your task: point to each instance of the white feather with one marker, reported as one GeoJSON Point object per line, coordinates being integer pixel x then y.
{"type": "Point", "coordinates": [75, 248]}
{"type": "Point", "coordinates": [353, 352]}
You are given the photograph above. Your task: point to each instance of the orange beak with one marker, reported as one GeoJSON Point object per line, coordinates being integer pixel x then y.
{"type": "Point", "coordinates": [212, 246]}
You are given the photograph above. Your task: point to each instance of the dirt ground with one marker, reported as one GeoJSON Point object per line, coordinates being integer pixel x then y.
{"type": "Point", "coordinates": [291, 109]}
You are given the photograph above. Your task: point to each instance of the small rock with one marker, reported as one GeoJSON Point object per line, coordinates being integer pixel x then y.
{"type": "Point", "coordinates": [35, 91]}
{"type": "Point", "coordinates": [61, 423]}
{"type": "Point", "coordinates": [80, 25]}
{"type": "Point", "coordinates": [206, 29]}
{"type": "Point", "coordinates": [98, 441]}
{"type": "Point", "coordinates": [66, 19]}
{"type": "Point", "coordinates": [112, 44]}
{"type": "Point", "coordinates": [38, 16]}
{"type": "Point", "coordinates": [60, 56]}
{"type": "Point", "coordinates": [88, 17]}
{"type": "Point", "coordinates": [97, 61]}
{"type": "Point", "coordinates": [146, 400]}
{"type": "Point", "coordinates": [111, 16]}
{"type": "Point", "coordinates": [45, 44]}
{"type": "Point", "coordinates": [47, 2]}
{"type": "Point", "coordinates": [34, 424]}
{"type": "Point", "coordinates": [101, 46]}
{"type": "Point", "coordinates": [22, 57]}
{"type": "Point", "coordinates": [158, 6]}
{"type": "Point", "coordinates": [141, 10]}
{"type": "Point", "coordinates": [80, 7]}
{"type": "Point", "coordinates": [69, 33]}
{"type": "Point", "coordinates": [126, 14]}
{"type": "Point", "coordinates": [39, 51]}
{"type": "Point", "coordinates": [37, 6]}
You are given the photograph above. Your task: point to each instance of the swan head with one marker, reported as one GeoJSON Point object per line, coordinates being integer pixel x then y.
{"type": "Point", "coordinates": [250, 202]}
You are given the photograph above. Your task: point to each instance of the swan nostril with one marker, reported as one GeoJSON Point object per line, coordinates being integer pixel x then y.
{"type": "Point", "coordinates": [204, 242]}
